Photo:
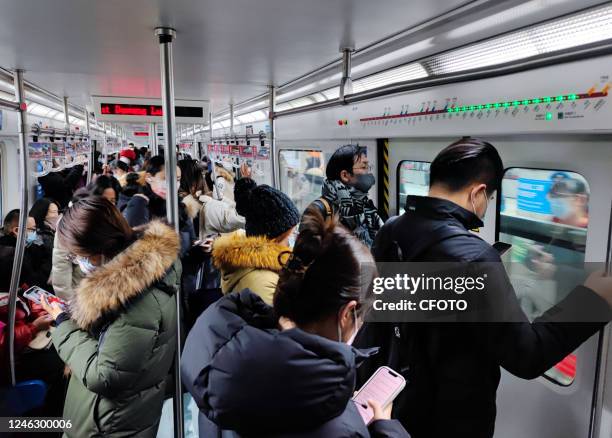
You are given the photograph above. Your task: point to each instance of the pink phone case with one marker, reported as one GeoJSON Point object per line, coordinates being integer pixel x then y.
{"type": "Point", "coordinates": [384, 385]}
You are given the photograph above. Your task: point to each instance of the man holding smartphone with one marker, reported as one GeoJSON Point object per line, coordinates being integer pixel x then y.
{"type": "Point", "coordinates": [453, 369]}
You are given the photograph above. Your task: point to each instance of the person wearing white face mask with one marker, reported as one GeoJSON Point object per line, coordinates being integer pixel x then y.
{"type": "Point", "coordinates": [287, 370]}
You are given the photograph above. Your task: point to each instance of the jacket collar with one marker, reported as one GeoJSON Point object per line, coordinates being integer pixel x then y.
{"type": "Point", "coordinates": [111, 287]}
{"type": "Point", "coordinates": [438, 208]}
{"type": "Point", "coordinates": [236, 250]}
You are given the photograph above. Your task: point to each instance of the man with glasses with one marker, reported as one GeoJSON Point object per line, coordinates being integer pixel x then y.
{"type": "Point", "coordinates": [345, 190]}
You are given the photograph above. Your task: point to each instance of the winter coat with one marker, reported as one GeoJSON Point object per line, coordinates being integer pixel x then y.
{"type": "Point", "coordinates": [140, 211]}
{"type": "Point", "coordinates": [214, 216]}
{"type": "Point", "coordinates": [59, 186]}
{"type": "Point", "coordinates": [26, 312]}
{"type": "Point", "coordinates": [36, 268]}
{"type": "Point", "coordinates": [250, 379]}
{"type": "Point", "coordinates": [248, 263]}
{"type": "Point", "coordinates": [453, 369]}
{"type": "Point", "coordinates": [65, 275]}
{"type": "Point", "coordinates": [121, 339]}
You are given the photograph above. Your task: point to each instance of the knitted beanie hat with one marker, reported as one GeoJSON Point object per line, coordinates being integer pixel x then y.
{"type": "Point", "coordinates": [268, 212]}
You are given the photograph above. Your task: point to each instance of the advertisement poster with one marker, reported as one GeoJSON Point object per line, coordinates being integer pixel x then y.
{"type": "Point", "coordinates": [246, 151]}
{"type": "Point", "coordinates": [263, 153]}
{"type": "Point", "coordinates": [211, 148]}
{"type": "Point", "coordinates": [234, 150]}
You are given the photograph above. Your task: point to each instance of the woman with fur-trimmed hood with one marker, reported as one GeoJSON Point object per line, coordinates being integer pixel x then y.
{"type": "Point", "coordinates": [251, 259]}
{"type": "Point", "coordinates": [118, 336]}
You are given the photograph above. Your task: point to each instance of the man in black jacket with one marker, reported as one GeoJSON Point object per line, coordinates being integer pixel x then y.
{"type": "Point", "coordinates": [453, 369]}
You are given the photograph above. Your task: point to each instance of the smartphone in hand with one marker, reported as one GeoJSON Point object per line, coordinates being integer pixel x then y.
{"type": "Point", "coordinates": [384, 385]}
{"type": "Point", "coordinates": [35, 293]}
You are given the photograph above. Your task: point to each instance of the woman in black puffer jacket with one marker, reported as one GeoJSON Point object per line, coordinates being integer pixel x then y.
{"type": "Point", "coordinates": [288, 372]}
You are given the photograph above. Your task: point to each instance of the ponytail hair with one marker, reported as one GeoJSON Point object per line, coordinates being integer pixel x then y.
{"type": "Point", "coordinates": [328, 268]}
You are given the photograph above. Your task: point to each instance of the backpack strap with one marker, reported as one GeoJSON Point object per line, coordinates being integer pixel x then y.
{"type": "Point", "coordinates": [328, 208]}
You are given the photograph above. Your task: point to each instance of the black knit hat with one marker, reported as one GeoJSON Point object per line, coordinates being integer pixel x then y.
{"type": "Point", "coordinates": [268, 212]}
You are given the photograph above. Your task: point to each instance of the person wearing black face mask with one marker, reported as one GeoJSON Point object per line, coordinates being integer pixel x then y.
{"type": "Point", "coordinates": [345, 192]}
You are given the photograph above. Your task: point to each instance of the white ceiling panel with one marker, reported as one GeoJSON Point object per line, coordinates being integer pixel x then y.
{"type": "Point", "coordinates": [225, 49]}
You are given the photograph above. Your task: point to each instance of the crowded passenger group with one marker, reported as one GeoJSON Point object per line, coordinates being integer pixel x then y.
{"type": "Point", "coordinates": [274, 300]}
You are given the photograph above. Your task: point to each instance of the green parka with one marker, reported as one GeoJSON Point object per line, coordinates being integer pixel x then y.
{"type": "Point", "coordinates": [120, 341]}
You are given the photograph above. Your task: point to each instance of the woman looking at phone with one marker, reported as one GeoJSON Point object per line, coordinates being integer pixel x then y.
{"type": "Point", "coordinates": [288, 371]}
{"type": "Point", "coordinates": [120, 336]}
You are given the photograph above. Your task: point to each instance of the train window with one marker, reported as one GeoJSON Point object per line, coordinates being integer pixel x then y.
{"type": "Point", "coordinates": [544, 214]}
{"type": "Point", "coordinates": [301, 175]}
{"type": "Point", "coordinates": [413, 179]}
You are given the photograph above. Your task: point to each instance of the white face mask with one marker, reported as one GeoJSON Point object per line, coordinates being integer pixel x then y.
{"type": "Point", "coordinates": [486, 206]}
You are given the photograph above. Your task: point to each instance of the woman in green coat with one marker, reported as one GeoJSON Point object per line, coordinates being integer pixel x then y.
{"type": "Point", "coordinates": [119, 335]}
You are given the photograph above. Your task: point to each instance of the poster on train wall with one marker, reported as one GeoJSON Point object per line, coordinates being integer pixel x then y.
{"type": "Point", "coordinates": [40, 156]}
{"type": "Point", "coordinates": [211, 148]}
{"type": "Point", "coordinates": [58, 153]}
{"type": "Point", "coordinates": [225, 149]}
{"type": "Point", "coordinates": [235, 150]}
{"type": "Point", "coordinates": [263, 153]}
{"type": "Point", "coordinates": [247, 151]}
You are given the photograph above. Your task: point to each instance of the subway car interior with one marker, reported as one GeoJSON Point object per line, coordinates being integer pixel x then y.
{"type": "Point", "coordinates": [268, 91]}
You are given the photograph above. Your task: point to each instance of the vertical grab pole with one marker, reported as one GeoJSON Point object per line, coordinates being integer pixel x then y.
{"type": "Point", "coordinates": [153, 139]}
{"type": "Point", "coordinates": [346, 85]}
{"type": "Point", "coordinates": [166, 37]}
{"type": "Point", "coordinates": [66, 116]}
{"type": "Point", "coordinates": [23, 215]}
{"type": "Point", "coordinates": [231, 108]}
{"type": "Point", "coordinates": [271, 117]}
{"type": "Point", "coordinates": [90, 162]}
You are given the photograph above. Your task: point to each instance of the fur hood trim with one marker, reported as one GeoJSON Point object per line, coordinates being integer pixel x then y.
{"type": "Point", "coordinates": [192, 206]}
{"type": "Point", "coordinates": [236, 250]}
{"type": "Point", "coordinates": [110, 287]}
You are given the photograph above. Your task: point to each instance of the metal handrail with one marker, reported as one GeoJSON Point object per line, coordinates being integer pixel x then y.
{"type": "Point", "coordinates": [23, 217]}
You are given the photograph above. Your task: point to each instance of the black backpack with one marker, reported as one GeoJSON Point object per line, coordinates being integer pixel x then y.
{"type": "Point", "coordinates": [396, 341]}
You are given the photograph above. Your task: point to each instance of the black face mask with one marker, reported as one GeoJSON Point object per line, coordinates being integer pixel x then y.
{"type": "Point", "coordinates": [364, 182]}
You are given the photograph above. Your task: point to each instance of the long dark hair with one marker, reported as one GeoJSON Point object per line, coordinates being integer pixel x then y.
{"type": "Point", "coordinates": [192, 179]}
{"type": "Point", "coordinates": [39, 212]}
{"type": "Point", "coordinates": [328, 268]}
{"type": "Point", "coordinates": [104, 182]}
{"type": "Point", "coordinates": [93, 226]}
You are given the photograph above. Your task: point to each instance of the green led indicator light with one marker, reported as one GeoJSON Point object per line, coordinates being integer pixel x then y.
{"type": "Point", "coordinates": [450, 110]}
{"type": "Point", "coordinates": [516, 103]}
{"type": "Point", "coordinates": [480, 107]}
{"type": "Point", "coordinates": [547, 99]}
{"type": "Point", "coordinates": [536, 101]}
{"type": "Point", "coordinates": [506, 104]}
{"type": "Point", "coordinates": [488, 105]}
{"type": "Point", "coordinates": [497, 105]}
{"type": "Point", "coordinates": [549, 116]}
{"type": "Point", "coordinates": [526, 102]}
{"type": "Point", "coordinates": [559, 98]}
{"type": "Point", "coordinates": [572, 97]}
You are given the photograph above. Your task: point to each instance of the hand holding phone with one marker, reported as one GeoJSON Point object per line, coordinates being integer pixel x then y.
{"type": "Point", "coordinates": [382, 388]}
{"type": "Point", "coordinates": [36, 293]}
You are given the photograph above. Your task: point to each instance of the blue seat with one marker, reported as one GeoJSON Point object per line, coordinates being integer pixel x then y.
{"type": "Point", "coordinates": [25, 396]}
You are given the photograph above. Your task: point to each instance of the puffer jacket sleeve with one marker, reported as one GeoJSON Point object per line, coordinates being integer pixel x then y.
{"type": "Point", "coordinates": [387, 429]}
{"type": "Point", "coordinates": [137, 211]}
{"type": "Point", "coordinates": [220, 216]}
{"type": "Point", "coordinates": [61, 271]}
{"type": "Point", "coordinates": [110, 365]}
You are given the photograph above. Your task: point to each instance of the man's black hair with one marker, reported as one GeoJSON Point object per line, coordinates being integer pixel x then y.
{"type": "Point", "coordinates": [344, 158]}
{"type": "Point", "coordinates": [10, 218]}
{"type": "Point", "coordinates": [467, 161]}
